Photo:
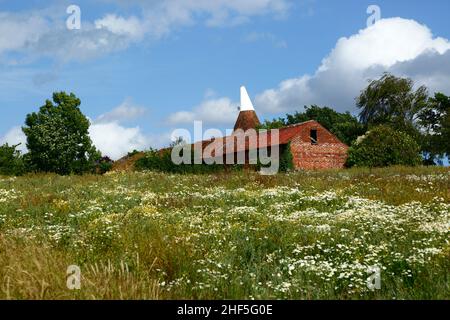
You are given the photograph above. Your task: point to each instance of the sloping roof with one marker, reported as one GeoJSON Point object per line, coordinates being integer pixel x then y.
{"type": "Point", "coordinates": [289, 132]}
{"type": "Point", "coordinates": [226, 145]}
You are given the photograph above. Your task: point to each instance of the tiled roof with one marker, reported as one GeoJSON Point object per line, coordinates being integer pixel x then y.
{"type": "Point", "coordinates": [247, 120]}
{"type": "Point", "coordinates": [224, 145]}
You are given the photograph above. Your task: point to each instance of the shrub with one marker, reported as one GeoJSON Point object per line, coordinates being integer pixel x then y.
{"type": "Point", "coordinates": [383, 146]}
{"type": "Point", "coordinates": [162, 161]}
{"type": "Point", "coordinates": [104, 165]}
{"type": "Point", "coordinates": [11, 161]}
{"type": "Point", "coordinates": [133, 153]}
{"type": "Point", "coordinates": [286, 160]}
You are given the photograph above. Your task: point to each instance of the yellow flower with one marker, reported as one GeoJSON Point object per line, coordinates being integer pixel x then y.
{"type": "Point", "coordinates": [61, 205]}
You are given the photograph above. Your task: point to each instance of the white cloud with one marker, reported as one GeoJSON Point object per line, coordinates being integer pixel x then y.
{"type": "Point", "coordinates": [32, 35]}
{"type": "Point", "coordinates": [115, 141]}
{"type": "Point", "coordinates": [163, 16]}
{"type": "Point", "coordinates": [210, 111]}
{"type": "Point", "coordinates": [18, 31]}
{"type": "Point", "coordinates": [124, 112]}
{"type": "Point", "coordinates": [403, 47]}
{"type": "Point", "coordinates": [181, 117]}
{"type": "Point", "coordinates": [132, 26]}
{"type": "Point", "coordinates": [79, 45]}
{"type": "Point", "coordinates": [14, 137]}
{"type": "Point", "coordinates": [25, 37]}
{"type": "Point", "coordinates": [112, 139]}
{"type": "Point", "coordinates": [107, 133]}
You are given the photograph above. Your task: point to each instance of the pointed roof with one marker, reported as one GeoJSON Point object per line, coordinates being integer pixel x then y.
{"type": "Point", "coordinates": [247, 118]}
{"type": "Point", "coordinates": [246, 103]}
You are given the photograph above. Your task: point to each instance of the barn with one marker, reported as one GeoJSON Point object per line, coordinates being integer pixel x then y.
{"type": "Point", "coordinates": [312, 146]}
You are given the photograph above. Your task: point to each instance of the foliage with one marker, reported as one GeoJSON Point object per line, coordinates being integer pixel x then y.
{"type": "Point", "coordinates": [273, 124]}
{"type": "Point", "coordinates": [303, 235]}
{"type": "Point", "coordinates": [11, 161]}
{"type": "Point", "coordinates": [133, 153]}
{"type": "Point", "coordinates": [345, 126]}
{"type": "Point", "coordinates": [392, 101]}
{"type": "Point", "coordinates": [383, 146]}
{"type": "Point", "coordinates": [286, 159]}
{"type": "Point", "coordinates": [161, 161]}
{"type": "Point", "coordinates": [58, 139]}
{"type": "Point", "coordinates": [435, 119]}
{"type": "Point", "coordinates": [104, 165]}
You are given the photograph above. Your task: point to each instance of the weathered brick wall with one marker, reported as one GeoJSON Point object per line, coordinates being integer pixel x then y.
{"type": "Point", "coordinates": [328, 153]}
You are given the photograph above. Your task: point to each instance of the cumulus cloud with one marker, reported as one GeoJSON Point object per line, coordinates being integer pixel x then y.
{"type": "Point", "coordinates": [403, 47]}
{"type": "Point", "coordinates": [15, 136]}
{"type": "Point", "coordinates": [115, 141]}
{"type": "Point", "coordinates": [124, 112]}
{"type": "Point", "coordinates": [430, 68]}
{"type": "Point", "coordinates": [210, 111]}
{"type": "Point", "coordinates": [108, 133]}
{"type": "Point", "coordinates": [111, 138]}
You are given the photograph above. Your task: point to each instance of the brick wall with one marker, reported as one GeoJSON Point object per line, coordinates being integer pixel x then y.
{"type": "Point", "coordinates": [328, 153]}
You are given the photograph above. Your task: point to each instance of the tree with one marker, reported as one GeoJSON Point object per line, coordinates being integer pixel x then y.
{"type": "Point", "coordinates": [345, 126]}
{"type": "Point", "coordinates": [273, 124]}
{"type": "Point", "coordinates": [11, 161]}
{"type": "Point", "coordinates": [383, 146]}
{"type": "Point", "coordinates": [58, 139]}
{"type": "Point", "coordinates": [435, 121]}
{"type": "Point", "coordinates": [392, 101]}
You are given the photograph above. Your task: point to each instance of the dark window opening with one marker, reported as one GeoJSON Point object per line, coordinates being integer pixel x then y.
{"type": "Point", "coordinates": [313, 136]}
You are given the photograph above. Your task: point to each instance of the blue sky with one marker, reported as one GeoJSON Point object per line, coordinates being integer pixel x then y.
{"type": "Point", "coordinates": [144, 68]}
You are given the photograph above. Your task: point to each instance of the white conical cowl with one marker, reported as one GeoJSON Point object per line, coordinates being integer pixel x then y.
{"type": "Point", "coordinates": [246, 103]}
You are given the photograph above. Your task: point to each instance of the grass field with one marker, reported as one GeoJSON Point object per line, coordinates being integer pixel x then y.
{"type": "Point", "coordinates": [305, 235]}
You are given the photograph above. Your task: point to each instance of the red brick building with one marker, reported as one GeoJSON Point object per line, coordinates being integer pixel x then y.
{"type": "Point", "coordinates": [312, 146]}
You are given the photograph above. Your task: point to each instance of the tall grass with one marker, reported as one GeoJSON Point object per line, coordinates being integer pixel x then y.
{"type": "Point", "coordinates": [303, 235]}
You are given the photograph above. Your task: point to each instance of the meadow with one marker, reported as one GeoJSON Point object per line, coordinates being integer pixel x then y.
{"type": "Point", "coordinates": [302, 235]}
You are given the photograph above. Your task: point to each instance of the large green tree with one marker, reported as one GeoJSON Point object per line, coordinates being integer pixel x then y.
{"type": "Point", "coordinates": [58, 139]}
{"type": "Point", "coordinates": [392, 101]}
{"type": "Point", "coordinates": [435, 121]}
{"type": "Point", "coordinates": [345, 126]}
